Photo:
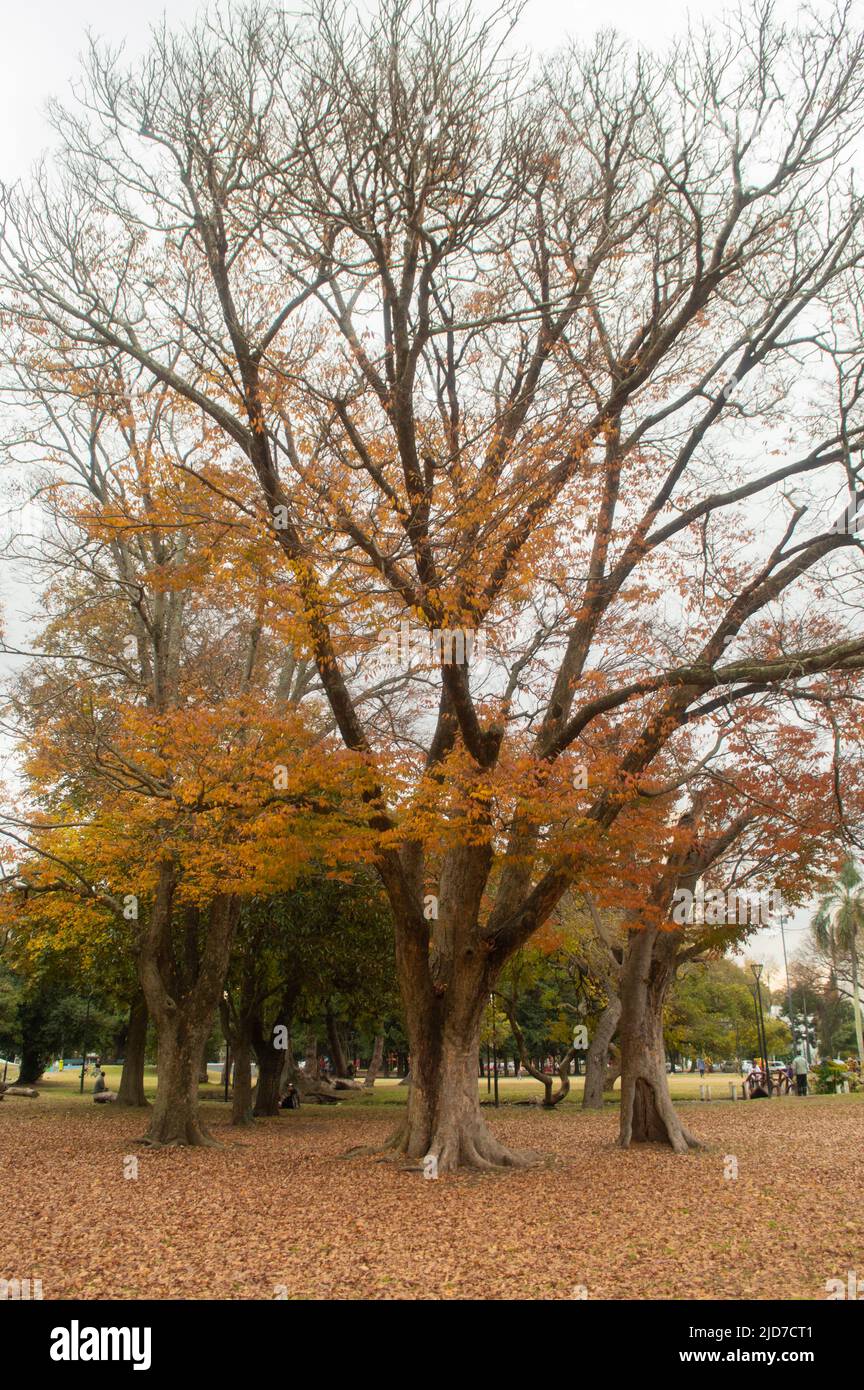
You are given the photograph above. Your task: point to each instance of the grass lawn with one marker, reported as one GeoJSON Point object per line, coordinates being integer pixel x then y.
{"type": "Point", "coordinates": [769, 1208]}
{"type": "Point", "coordinates": [683, 1086]}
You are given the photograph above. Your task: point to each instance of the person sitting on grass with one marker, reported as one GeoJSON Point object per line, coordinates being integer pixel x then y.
{"type": "Point", "coordinates": [101, 1094]}
{"type": "Point", "coordinates": [291, 1099]}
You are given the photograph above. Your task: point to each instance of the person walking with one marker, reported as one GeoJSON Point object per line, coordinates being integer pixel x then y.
{"type": "Point", "coordinates": [800, 1064]}
{"type": "Point", "coordinates": [700, 1067]}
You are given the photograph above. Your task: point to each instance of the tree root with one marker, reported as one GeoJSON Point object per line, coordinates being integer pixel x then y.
{"type": "Point", "coordinates": [678, 1138]}
{"type": "Point", "coordinates": [476, 1150]}
{"type": "Point", "coordinates": [201, 1141]}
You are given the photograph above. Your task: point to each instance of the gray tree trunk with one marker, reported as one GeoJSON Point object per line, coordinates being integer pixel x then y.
{"type": "Point", "coordinates": [647, 1112]}
{"type": "Point", "coordinates": [375, 1062]}
{"type": "Point", "coordinates": [131, 1088]}
{"type": "Point", "coordinates": [598, 1055]}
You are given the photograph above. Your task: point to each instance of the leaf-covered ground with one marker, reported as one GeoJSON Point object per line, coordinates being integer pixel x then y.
{"type": "Point", "coordinates": [280, 1212]}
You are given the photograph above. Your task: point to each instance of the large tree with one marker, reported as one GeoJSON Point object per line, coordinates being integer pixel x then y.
{"type": "Point", "coordinates": [531, 353]}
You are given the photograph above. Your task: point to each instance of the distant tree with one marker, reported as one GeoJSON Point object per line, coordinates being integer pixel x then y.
{"type": "Point", "coordinates": [711, 1010]}
{"type": "Point", "coordinates": [828, 1012]}
{"type": "Point", "coordinates": [321, 953]}
{"type": "Point", "coordinates": [838, 928]}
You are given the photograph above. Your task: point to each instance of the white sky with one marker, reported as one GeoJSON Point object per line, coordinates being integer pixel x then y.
{"type": "Point", "coordinates": [43, 38]}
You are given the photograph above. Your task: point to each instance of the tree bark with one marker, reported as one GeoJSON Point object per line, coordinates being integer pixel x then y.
{"type": "Point", "coordinates": [238, 1028]}
{"type": "Point", "coordinates": [337, 1051]}
{"type": "Point", "coordinates": [131, 1088]}
{"type": "Point", "coordinates": [241, 1100]}
{"type": "Point", "coordinates": [175, 1116]}
{"type": "Point", "coordinates": [272, 1060]}
{"type": "Point", "coordinates": [598, 1055]}
{"type": "Point", "coordinates": [32, 1064]}
{"type": "Point", "coordinates": [647, 1112]}
{"type": "Point", "coordinates": [183, 990]}
{"type": "Point", "coordinates": [443, 1121]}
{"type": "Point", "coordinates": [310, 1059]}
{"type": "Point", "coordinates": [546, 1079]}
{"type": "Point", "coordinates": [613, 1068]}
{"type": "Point", "coordinates": [374, 1063]}
{"type": "Point", "coordinates": [268, 1087]}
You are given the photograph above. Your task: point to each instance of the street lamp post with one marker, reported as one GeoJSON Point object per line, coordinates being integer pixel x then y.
{"type": "Point", "coordinates": [786, 964]}
{"type": "Point", "coordinates": [494, 1048]}
{"type": "Point", "coordinates": [226, 1078]}
{"type": "Point", "coordinates": [84, 1046]}
{"type": "Point", "coordinates": [756, 1012]}
{"type": "Point", "coordinates": [806, 1028]}
{"type": "Point", "coordinates": [760, 1018]}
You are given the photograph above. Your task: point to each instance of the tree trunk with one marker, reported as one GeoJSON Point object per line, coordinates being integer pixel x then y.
{"type": "Point", "coordinates": [598, 1055]}
{"type": "Point", "coordinates": [175, 1116]}
{"type": "Point", "coordinates": [443, 1123]}
{"type": "Point", "coordinates": [613, 1068]}
{"type": "Point", "coordinates": [272, 1060]}
{"type": "Point", "coordinates": [267, 1090]}
{"type": "Point", "coordinates": [289, 1073]}
{"type": "Point", "coordinates": [239, 1029]}
{"type": "Point", "coordinates": [337, 1051]}
{"type": "Point", "coordinates": [183, 990]}
{"type": "Point", "coordinates": [32, 1064]}
{"type": "Point", "coordinates": [546, 1079]}
{"type": "Point", "coordinates": [374, 1063]}
{"type": "Point", "coordinates": [276, 1066]}
{"type": "Point", "coordinates": [131, 1088]}
{"type": "Point", "coordinates": [307, 1079]}
{"type": "Point", "coordinates": [647, 1112]}
{"type": "Point", "coordinates": [241, 1106]}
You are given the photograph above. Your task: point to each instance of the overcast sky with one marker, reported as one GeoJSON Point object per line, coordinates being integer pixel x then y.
{"type": "Point", "coordinates": [42, 41]}
{"type": "Point", "coordinates": [43, 38]}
